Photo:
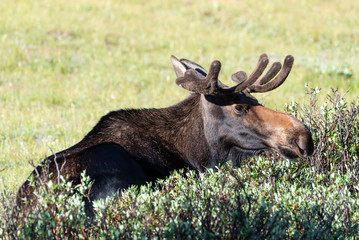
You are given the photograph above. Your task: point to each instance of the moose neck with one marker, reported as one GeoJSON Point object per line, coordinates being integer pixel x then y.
{"type": "Point", "coordinates": [182, 130]}
{"type": "Point", "coordinates": [197, 131]}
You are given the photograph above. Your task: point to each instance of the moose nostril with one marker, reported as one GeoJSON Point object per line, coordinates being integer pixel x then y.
{"type": "Point", "coordinates": [302, 150]}
{"type": "Point", "coordinates": [305, 144]}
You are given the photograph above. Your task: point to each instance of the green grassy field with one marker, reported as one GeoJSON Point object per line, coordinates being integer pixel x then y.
{"type": "Point", "coordinates": [64, 64]}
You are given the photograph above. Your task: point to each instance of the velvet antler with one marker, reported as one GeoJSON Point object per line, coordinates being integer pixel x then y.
{"type": "Point", "coordinates": [209, 84]}
{"type": "Point", "coordinates": [265, 84]}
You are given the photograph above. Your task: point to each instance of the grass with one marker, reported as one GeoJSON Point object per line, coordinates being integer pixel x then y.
{"type": "Point", "coordinates": [64, 64]}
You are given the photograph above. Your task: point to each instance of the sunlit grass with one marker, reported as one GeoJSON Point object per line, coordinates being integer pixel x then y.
{"type": "Point", "coordinates": [63, 64]}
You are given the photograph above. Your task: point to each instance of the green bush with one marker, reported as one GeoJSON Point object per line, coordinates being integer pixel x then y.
{"type": "Point", "coordinates": [267, 198]}
{"type": "Point", "coordinates": [335, 129]}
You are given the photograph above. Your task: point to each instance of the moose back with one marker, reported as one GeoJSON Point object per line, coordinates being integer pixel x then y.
{"type": "Point", "coordinates": [214, 124]}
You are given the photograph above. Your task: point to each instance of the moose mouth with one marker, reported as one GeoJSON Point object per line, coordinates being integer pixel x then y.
{"type": "Point", "coordinates": [288, 152]}
{"type": "Point", "coordinates": [242, 153]}
{"type": "Point", "coordinates": [285, 151]}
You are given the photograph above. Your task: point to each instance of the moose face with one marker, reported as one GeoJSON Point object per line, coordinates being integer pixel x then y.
{"type": "Point", "coordinates": [236, 126]}
{"type": "Point", "coordinates": [245, 128]}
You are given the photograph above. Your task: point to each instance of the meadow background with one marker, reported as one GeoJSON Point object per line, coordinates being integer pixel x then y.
{"type": "Point", "coordinates": [63, 64]}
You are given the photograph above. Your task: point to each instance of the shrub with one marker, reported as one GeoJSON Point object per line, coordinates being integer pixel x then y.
{"type": "Point", "coordinates": [335, 129]}
{"type": "Point", "coordinates": [59, 212]}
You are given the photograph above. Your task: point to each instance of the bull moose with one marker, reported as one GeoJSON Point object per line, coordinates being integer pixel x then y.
{"type": "Point", "coordinates": [216, 123]}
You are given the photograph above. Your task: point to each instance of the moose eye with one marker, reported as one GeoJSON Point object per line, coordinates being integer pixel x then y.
{"type": "Point", "coordinates": [239, 109]}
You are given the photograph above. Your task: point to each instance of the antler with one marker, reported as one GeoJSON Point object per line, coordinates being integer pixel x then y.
{"type": "Point", "coordinates": [265, 84]}
{"type": "Point", "coordinates": [211, 85]}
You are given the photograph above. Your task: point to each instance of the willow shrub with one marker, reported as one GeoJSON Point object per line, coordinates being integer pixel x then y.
{"type": "Point", "coordinates": [267, 198]}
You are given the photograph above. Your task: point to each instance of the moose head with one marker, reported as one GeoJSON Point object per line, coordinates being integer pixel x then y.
{"type": "Point", "coordinates": [236, 125]}
{"type": "Point", "coordinates": [215, 124]}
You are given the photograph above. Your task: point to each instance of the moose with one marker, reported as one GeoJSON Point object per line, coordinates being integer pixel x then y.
{"type": "Point", "coordinates": [214, 124]}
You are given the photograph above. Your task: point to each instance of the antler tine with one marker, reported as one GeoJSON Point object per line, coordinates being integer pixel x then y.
{"type": "Point", "coordinates": [213, 72]}
{"type": "Point", "coordinates": [241, 77]}
{"type": "Point", "coordinates": [265, 85]}
{"type": "Point", "coordinates": [272, 72]}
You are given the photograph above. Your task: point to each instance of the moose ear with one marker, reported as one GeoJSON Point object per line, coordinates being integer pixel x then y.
{"type": "Point", "coordinates": [192, 65]}
{"type": "Point", "coordinates": [180, 68]}
{"type": "Point", "coordinates": [182, 65]}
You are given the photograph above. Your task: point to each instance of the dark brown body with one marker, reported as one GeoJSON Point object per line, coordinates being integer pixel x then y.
{"type": "Point", "coordinates": [132, 147]}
